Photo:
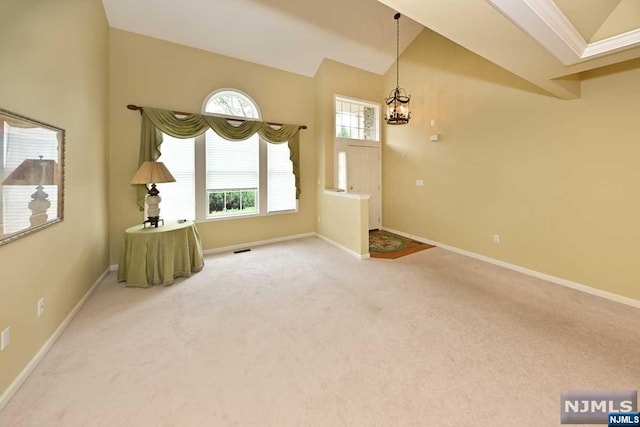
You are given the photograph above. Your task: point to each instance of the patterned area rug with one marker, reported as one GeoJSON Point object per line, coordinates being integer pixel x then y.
{"type": "Point", "coordinates": [383, 244]}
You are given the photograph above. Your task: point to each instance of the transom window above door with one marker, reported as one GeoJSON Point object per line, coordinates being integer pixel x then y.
{"type": "Point", "coordinates": [357, 119]}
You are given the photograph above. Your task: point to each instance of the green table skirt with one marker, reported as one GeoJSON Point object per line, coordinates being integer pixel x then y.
{"type": "Point", "coordinates": [156, 256]}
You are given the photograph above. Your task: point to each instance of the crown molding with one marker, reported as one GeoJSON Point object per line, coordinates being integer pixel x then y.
{"type": "Point", "coordinates": [545, 23]}
{"type": "Point", "coordinates": [613, 44]}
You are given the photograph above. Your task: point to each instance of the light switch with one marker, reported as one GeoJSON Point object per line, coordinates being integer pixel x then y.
{"type": "Point", "coordinates": [419, 183]}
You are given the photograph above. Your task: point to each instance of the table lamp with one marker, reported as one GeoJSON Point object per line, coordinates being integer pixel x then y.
{"type": "Point", "coordinates": [152, 173]}
{"type": "Point", "coordinates": [36, 172]}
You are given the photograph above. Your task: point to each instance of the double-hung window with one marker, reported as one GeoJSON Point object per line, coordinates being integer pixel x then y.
{"type": "Point", "coordinates": [216, 178]}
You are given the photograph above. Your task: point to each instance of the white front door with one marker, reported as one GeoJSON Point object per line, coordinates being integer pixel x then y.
{"type": "Point", "coordinates": [363, 176]}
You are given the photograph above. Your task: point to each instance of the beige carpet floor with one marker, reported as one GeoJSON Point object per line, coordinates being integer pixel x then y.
{"type": "Point", "coordinates": [301, 334]}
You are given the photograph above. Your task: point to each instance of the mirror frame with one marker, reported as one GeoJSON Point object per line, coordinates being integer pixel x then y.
{"type": "Point", "coordinates": [59, 170]}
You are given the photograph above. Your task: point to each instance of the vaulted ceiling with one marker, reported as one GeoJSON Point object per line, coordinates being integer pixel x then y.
{"type": "Point", "coordinates": [547, 42]}
{"type": "Point", "coordinates": [289, 35]}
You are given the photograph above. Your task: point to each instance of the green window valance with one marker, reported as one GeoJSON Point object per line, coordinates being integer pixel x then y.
{"type": "Point", "coordinates": [155, 122]}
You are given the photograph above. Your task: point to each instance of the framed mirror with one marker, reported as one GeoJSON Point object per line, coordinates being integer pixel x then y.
{"type": "Point", "coordinates": [31, 176]}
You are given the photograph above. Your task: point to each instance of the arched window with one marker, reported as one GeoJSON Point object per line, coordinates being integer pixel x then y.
{"type": "Point", "coordinates": [233, 167]}
{"type": "Point", "coordinates": [218, 178]}
{"type": "Point", "coordinates": [231, 103]}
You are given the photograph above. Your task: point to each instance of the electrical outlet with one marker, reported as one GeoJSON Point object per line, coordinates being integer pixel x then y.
{"type": "Point", "coordinates": [5, 338]}
{"type": "Point", "coordinates": [496, 238]}
{"type": "Point", "coordinates": [419, 183]}
{"type": "Point", "coordinates": [40, 307]}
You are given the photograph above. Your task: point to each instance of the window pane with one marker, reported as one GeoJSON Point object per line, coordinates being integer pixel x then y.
{"type": "Point", "coordinates": [370, 127]}
{"type": "Point", "coordinates": [281, 184]}
{"type": "Point", "coordinates": [346, 119]}
{"type": "Point", "coordinates": [357, 120]}
{"type": "Point", "coordinates": [232, 103]}
{"type": "Point", "coordinates": [232, 174]}
{"type": "Point", "coordinates": [216, 202]}
{"type": "Point", "coordinates": [178, 198]}
{"type": "Point", "coordinates": [342, 170]}
{"type": "Point", "coordinates": [232, 202]}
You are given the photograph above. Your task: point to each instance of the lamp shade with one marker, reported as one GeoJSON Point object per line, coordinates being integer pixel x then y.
{"type": "Point", "coordinates": [152, 172]}
{"type": "Point", "coordinates": [34, 172]}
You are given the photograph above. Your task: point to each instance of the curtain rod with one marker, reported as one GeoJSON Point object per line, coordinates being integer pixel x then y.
{"type": "Point", "coordinates": [133, 107]}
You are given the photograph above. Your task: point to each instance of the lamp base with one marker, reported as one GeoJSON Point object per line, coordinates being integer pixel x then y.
{"type": "Point", "coordinates": [153, 207]}
{"type": "Point", "coordinates": [39, 206]}
{"type": "Point", "coordinates": [152, 221]}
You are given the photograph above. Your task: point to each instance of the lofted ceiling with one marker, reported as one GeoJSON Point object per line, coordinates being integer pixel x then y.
{"type": "Point", "coordinates": [597, 20]}
{"type": "Point", "coordinates": [289, 35]}
{"type": "Point", "coordinates": [547, 42]}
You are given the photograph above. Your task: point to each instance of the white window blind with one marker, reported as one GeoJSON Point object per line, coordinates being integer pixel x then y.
{"type": "Point", "coordinates": [231, 165]}
{"type": "Point", "coordinates": [20, 144]}
{"type": "Point", "coordinates": [226, 178]}
{"type": "Point", "coordinates": [28, 143]}
{"type": "Point", "coordinates": [15, 206]}
{"type": "Point", "coordinates": [281, 184]}
{"type": "Point", "coordinates": [232, 175]}
{"type": "Point", "coordinates": [178, 198]}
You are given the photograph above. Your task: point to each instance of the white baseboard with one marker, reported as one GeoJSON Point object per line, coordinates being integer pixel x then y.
{"type": "Point", "coordinates": [556, 280]}
{"type": "Point", "coordinates": [22, 377]}
{"type": "Point", "coordinates": [344, 248]}
{"type": "Point", "coordinates": [231, 248]}
{"type": "Point", "coordinates": [257, 243]}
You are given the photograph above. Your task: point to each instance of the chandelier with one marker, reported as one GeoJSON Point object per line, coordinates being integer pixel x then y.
{"type": "Point", "coordinates": [398, 101]}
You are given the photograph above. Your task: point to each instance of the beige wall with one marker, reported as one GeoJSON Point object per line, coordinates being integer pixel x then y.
{"type": "Point", "coordinates": [335, 78]}
{"type": "Point", "coordinates": [341, 220]}
{"type": "Point", "coordinates": [345, 221]}
{"type": "Point", "coordinates": [54, 69]}
{"type": "Point", "coordinates": [557, 180]}
{"type": "Point", "coordinates": [151, 72]}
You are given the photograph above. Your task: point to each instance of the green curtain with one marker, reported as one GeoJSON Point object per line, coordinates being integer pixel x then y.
{"type": "Point", "coordinates": [155, 122]}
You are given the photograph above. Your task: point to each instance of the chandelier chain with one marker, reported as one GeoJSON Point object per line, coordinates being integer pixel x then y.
{"type": "Point", "coordinates": [398, 52]}
{"type": "Point", "coordinates": [398, 112]}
